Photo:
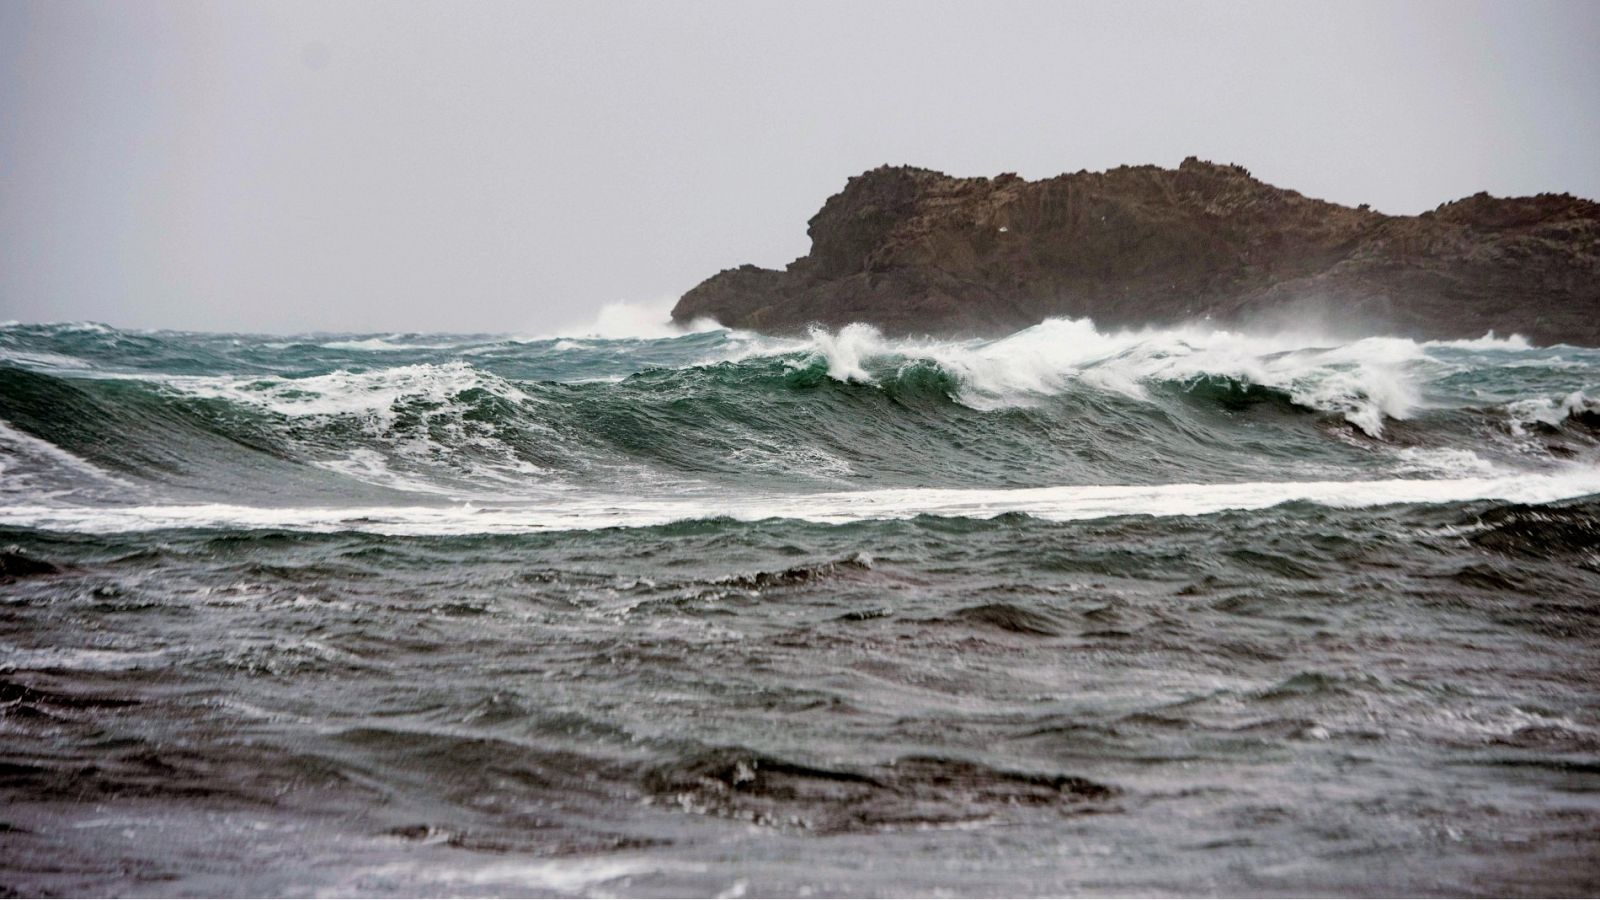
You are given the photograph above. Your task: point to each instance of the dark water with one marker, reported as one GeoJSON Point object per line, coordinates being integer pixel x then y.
{"type": "Point", "coordinates": [1069, 613]}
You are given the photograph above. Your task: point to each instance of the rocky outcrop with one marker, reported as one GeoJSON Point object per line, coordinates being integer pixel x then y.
{"type": "Point", "coordinates": [914, 251]}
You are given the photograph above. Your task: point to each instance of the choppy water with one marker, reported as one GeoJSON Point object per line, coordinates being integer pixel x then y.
{"type": "Point", "coordinates": [1070, 612]}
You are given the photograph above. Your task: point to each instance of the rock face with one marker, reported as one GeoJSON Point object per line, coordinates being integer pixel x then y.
{"type": "Point", "coordinates": [914, 251]}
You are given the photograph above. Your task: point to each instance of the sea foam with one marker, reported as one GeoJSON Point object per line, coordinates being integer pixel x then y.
{"type": "Point", "coordinates": [1365, 381]}
{"type": "Point", "coordinates": [1062, 503]}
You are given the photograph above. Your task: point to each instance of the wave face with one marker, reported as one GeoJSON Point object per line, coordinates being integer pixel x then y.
{"type": "Point", "coordinates": [719, 613]}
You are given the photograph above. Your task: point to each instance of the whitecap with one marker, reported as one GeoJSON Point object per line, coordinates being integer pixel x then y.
{"type": "Point", "coordinates": [1366, 381]}
{"type": "Point", "coordinates": [1513, 342]}
{"type": "Point", "coordinates": [434, 397]}
{"type": "Point", "coordinates": [343, 392]}
{"type": "Point", "coordinates": [1548, 411]}
{"type": "Point", "coordinates": [1448, 461]}
{"type": "Point", "coordinates": [391, 344]}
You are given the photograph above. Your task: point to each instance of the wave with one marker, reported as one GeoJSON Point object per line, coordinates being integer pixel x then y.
{"type": "Point", "coordinates": [1510, 343]}
{"type": "Point", "coordinates": [424, 428]}
{"type": "Point", "coordinates": [393, 343]}
{"type": "Point", "coordinates": [485, 418]}
{"type": "Point", "coordinates": [1549, 414]}
{"type": "Point", "coordinates": [64, 327]}
{"type": "Point", "coordinates": [32, 469]}
{"type": "Point", "coordinates": [1366, 382]}
{"type": "Point", "coordinates": [378, 393]}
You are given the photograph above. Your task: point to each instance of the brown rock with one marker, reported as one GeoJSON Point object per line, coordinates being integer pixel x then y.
{"type": "Point", "coordinates": [914, 251]}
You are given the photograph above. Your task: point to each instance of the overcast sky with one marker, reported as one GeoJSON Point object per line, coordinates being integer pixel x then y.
{"type": "Point", "coordinates": [292, 166]}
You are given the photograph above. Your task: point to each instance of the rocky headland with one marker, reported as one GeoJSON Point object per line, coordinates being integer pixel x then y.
{"type": "Point", "coordinates": [914, 251]}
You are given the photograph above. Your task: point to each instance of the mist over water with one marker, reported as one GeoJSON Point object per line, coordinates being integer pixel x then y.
{"type": "Point", "coordinates": [634, 611]}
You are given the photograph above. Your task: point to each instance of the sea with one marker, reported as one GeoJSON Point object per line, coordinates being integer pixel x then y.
{"type": "Point", "coordinates": [1076, 611]}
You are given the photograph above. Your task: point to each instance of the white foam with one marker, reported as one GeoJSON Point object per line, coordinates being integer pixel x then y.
{"type": "Point", "coordinates": [1063, 503]}
{"type": "Point", "coordinates": [1365, 381]}
{"type": "Point", "coordinates": [375, 401]}
{"type": "Point", "coordinates": [1444, 460]}
{"type": "Point", "coordinates": [847, 351]}
{"type": "Point", "coordinates": [368, 465]}
{"type": "Point", "coordinates": [391, 344]}
{"type": "Point", "coordinates": [82, 659]}
{"type": "Point", "coordinates": [45, 361]}
{"type": "Point", "coordinates": [83, 326]}
{"type": "Point", "coordinates": [341, 392]}
{"type": "Point", "coordinates": [574, 876]}
{"type": "Point", "coordinates": [28, 462]}
{"type": "Point", "coordinates": [1546, 411]}
{"type": "Point", "coordinates": [1512, 342]}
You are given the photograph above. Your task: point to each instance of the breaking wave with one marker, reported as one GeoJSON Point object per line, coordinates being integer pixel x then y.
{"type": "Point", "coordinates": [1366, 382]}
{"type": "Point", "coordinates": [100, 416]}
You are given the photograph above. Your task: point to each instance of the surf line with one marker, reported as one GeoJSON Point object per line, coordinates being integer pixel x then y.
{"type": "Point", "coordinates": [1060, 503]}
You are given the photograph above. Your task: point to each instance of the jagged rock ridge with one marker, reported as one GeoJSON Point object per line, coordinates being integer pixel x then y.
{"type": "Point", "coordinates": [915, 251]}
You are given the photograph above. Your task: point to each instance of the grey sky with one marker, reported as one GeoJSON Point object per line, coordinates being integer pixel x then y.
{"type": "Point", "coordinates": [293, 166]}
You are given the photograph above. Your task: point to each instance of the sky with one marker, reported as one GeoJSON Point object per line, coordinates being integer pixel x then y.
{"type": "Point", "coordinates": [515, 167]}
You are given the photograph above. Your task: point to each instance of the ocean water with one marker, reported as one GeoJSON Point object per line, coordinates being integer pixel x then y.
{"type": "Point", "coordinates": [1069, 612]}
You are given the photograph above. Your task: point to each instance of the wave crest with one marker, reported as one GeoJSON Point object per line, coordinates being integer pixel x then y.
{"type": "Point", "coordinates": [1365, 382]}
{"type": "Point", "coordinates": [1544, 413]}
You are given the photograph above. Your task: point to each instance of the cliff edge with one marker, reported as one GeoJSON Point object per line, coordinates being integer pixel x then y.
{"type": "Point", "coordinates": [914, 251]}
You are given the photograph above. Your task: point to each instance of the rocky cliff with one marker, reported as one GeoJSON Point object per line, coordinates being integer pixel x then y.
{"type": "Point", "coordinates": [915, 251]}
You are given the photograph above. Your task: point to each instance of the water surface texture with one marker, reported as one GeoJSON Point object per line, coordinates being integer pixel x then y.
{"type": "Point", "coordinates": [1070, 612]}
